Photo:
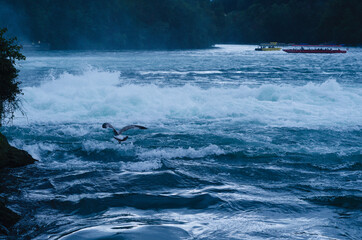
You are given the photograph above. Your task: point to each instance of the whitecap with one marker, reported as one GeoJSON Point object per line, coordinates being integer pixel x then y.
{"type": "Point", "coordinates": [171, 153]}
{"type": "Point", "coordinates": [96, 96]}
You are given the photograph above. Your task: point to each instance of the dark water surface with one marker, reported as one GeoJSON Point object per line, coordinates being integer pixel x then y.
{"type": "Point", "coordinates": [240, 145]}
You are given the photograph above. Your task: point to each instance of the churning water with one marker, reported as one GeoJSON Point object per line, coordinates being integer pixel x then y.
{"type": "Point", "coordinates": [240, 145]}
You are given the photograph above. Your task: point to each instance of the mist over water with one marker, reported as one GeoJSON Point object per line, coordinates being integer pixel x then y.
{"type": "Point", "coordinates": [240, 145]}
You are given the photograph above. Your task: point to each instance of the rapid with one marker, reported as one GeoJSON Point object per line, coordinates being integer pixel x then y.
{"type": "Point", "coordinates": [240, 145]}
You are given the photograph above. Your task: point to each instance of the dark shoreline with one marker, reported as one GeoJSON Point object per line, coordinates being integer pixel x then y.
{"type": "Point", "coordinates": [10, 157]}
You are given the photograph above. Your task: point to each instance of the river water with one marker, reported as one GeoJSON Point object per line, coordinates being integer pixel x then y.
{"type": "Point", "coordinates": [240, 145]}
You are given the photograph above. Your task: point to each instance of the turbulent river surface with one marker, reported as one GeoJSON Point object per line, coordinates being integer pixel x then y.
{"type": "Point", "coordinates": [240, 145]}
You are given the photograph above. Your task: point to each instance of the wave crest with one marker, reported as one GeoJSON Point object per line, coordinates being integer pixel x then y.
{"type": "Point", "coordinates": [95, 96]}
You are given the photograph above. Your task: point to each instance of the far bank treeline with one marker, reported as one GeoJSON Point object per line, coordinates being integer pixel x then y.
{"type": "Point", "coordinates": [179, 24]}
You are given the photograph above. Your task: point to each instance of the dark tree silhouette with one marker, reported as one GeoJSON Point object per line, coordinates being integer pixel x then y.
{"type": "Point", "coordinates": [181, 24]}
{"type": "Point", "coordinates": [9, 86]}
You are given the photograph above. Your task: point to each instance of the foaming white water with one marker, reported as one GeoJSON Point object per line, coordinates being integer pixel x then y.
{"type": "Point", "coordinates": [171, 153]}
{"type": "Point", "coordinates": [96, 96]}
{"type": "Point", "coordinates": [98, 146]}
{"type": "Point", "coordinates": [142, 166]}
{"type": "Point", "coordinates": [180, 72]}
{"type": "Point", "coordinates": [36, 149]}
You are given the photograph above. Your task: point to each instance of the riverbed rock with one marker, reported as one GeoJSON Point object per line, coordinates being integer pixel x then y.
{"type": "Point", "coordinates": [11, 156]}
{"type": "Point", "coordinates": [7, 217]}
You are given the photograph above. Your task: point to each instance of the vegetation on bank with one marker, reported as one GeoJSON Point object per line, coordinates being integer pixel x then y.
{"type": "Point", "coordinates": [9, 102]}
{"type": "Point", "coordinates": [298, 21]}
{"type": "Point", "coordinates": [172, 24]}
{"type": "Point", "coordinates": [9, 99]}
{"type": "Point", "coordinates": [115, 24]}
{"type": "Point", "coordinates": [9, 86]}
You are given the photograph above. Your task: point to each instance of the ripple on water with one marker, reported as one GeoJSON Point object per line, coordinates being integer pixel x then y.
{"type": "Point", "coordinates": [128, 233]}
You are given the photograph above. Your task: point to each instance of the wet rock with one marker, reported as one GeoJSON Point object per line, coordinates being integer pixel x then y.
{"type": "Point", "coordinates": [7, 218]}
{"type": "Point", "coordinates": [11, 156]}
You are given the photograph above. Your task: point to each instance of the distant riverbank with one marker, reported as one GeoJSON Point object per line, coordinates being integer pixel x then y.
{"type": "Point", "coordinates": [181, 24]}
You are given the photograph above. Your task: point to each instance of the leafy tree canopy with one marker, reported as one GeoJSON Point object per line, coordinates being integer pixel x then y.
{"type": "Point", "coordinates": [180, 24]}
{"type": "Point", "coordinates": [9, 49]}
{"type": "Point", "coordinates": [9, 87]}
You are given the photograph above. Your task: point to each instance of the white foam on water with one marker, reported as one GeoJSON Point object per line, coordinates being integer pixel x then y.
{"type": "Point", "coordinates": [163, 72]}
{"type": "Point", "coordinates": [180, 72]}
{"type": "Point", "coordinates": [96, 95]}
{"type": "Point", "coordinates": [98, 146]}
{"type": "Point", "coordinates": [141, 166]}
{"type": "Point", "coordinates": [171, 153]}
{"type": "Point", "coordinates": [206, 72]}
{"type": "Point", "coordinates": [36, 149]}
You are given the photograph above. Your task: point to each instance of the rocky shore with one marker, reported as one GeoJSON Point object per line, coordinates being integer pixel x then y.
{"type": "Point", "coordinates": [10, 157]}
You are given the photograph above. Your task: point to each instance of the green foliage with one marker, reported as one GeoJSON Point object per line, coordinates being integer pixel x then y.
{"type": "Point", "coordinates": [9, 48]}
{"type": "Point", "coordinates": [180, 24]}
{"type": "Point", "coordinates": [9, 87]}
{"type": "Point", "coordinates": [116, 24]}
{"type": "Point", "coordinates": [300, 21]}
{"type": "Point", "coordinates": [341, 21]}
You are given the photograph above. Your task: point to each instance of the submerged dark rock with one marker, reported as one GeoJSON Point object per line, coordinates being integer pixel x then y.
{"type": "Point", "coordinates": [7, 217]}
{"type": "Point", "coordinates": [11, 156]}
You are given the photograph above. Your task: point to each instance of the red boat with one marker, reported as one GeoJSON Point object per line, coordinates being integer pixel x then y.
{"type": "Point", "coordinates": [315, 49]}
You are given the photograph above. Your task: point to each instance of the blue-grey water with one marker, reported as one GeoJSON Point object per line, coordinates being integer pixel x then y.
{"type": "Point", "coordinates": [240, 145]}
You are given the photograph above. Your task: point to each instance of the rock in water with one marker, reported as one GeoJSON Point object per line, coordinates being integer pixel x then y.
{"type": "Point", "coordinates": [11, 156]}
{"type": "Point", "coordinates": [7, 217]}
